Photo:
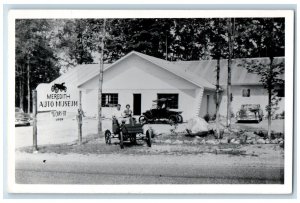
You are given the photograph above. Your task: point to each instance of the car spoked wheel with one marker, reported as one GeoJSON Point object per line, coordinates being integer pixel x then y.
{"type": "Point", "coordinates": [107, 137]}
{"type": "Point", "coordinates": [148, 138]}
{"type": "Point", "coordinates": [173, 119]}
{"type": "Point", "coordinates": [179, 118]}
{"type": "Point", "coordinates": [143, 120]}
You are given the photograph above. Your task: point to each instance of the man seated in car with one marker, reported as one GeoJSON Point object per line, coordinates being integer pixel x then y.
{"type": "Point", "coordinates": [117, 113]}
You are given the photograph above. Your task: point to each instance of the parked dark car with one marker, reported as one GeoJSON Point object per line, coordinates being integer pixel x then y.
{"type": "Point", "coordinates": [161, 111]}
{"type": "Point", "coordinates": [250, 112]}
{"type": "Point", "coordinates": [21, 118]}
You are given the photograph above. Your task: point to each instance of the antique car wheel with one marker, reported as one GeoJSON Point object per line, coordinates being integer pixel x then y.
{"type": "Point", "coordinates": [143, 120]}
{"type": "Point", "coordinates": [173, 119]}
{"type": "Point", "coordinates": [121, 140]}
{"type": "Point", "coordinates": [179, 118]}
{"type": "Point", "coordinates": [148, 137]}
{"type": "Point", "coordinates": [56, 90]}
{"type": "Point", "coordinates": [107, 137]}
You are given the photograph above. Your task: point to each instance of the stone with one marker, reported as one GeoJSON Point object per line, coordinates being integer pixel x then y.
{"type": "Point", "coordinates": [281, 144]}
{"type": "Point", "coordinates": [226, 131]}
{"type": "Point", "coordinates": [224, 141]}
{"type": "Point", "coordinates": [249, 141]}
{"type": "Point", "coordinates": [196, 125]}
{"type": "Point", "coordinates": [232, 140]}
{"type": "Point", "coordinates": [177, 142]}
{"type": "Point", "coordinates": [275, 141]}
{"type": "Point", "coordinates": [249, 135]}
{"type": "Point", "coordinates": [267, 141]}
{"type": "Point", "coordinates": [261, 141]}
{"type": "Point", "coordinates": [212, 142]}
{"type": "Point", "coordinates": [236, 142]}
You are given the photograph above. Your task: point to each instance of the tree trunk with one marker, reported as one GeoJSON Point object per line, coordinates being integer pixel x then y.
{"type": "Point", "coordinates": [230, 48]}
{"type": "Point", "coordinates": [270, 85]}
{"type": "Point", "coordinates": [218, 100]}
{"type": "Point", "coordinates": [21, 95]}
{"type": "Point", "coordinates": [101, 82]}
{"type": "Point", "coordinates": [218, 86]}
{"type": "Point", "coordinates": [28, 87]}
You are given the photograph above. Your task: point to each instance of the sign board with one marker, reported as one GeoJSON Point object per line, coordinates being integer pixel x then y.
{"type": "Point", "coordinates": [58, 99]}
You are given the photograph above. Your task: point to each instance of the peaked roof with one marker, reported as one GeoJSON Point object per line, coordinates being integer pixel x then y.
{"type": "Point", "coordinates": [240, 75]}
{"type": "Point", "coordinates": [166, 65]}
{"type": "Point", "coordinates": [200, 73]}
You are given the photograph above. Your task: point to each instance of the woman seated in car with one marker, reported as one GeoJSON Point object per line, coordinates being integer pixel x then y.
{"type": "Point", "coordinates": [127, 113]}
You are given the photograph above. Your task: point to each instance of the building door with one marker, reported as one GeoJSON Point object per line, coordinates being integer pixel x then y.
{"type": "Point", "coordinates": [137, 104]}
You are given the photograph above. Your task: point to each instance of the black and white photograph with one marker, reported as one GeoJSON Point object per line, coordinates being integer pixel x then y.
{"type": "Point", "coordinates": [151, 100]}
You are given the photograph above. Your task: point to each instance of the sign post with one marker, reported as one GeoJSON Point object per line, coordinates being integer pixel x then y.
{"type": "Point", "coordinates": [79, 120]}
{"type": "Point", "coordinates": [34, 111]}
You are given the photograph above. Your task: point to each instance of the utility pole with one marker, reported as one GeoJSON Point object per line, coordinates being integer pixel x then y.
{"type": "Point", "coordinates": [79, 120]}
{"type": "Point", "coordinates": [101, 81]}
{"type": "Point", "coordinates": [34, 112]}
{"type": "Point", "coordinates": [218, 85]}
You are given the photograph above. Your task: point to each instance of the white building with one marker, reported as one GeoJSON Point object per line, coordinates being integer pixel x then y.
{"type": "Point", "coordinates": [138, 79]}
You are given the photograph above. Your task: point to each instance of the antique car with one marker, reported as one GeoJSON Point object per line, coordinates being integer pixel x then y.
{"type": "Point", "coordinates": [249, 113]}
{"type": "Point", "coordinates": [131, 132]}
{"type": "Point", "coordinates": [161, 111]}
{"type": "Point", "coordinates": [58, 87]}
{"type": "Point", "coordinates": [21, 118]}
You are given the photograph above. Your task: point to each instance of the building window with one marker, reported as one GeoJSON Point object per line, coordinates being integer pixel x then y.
{"type": "Point", "coordinates": [279, 92]}
{"type": "Point", "coordinates": [109, 100]}
{"type": "Point", "coordinates": [246, 92]}
{"type": "Point", "coordinates": [173, 103]}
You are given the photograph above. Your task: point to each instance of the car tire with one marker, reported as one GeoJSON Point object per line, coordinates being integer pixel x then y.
{"type": "Point", "coordinates": [179, 119]}
{"type": "Point", "coordinates": [121, 140]}
{"type": "Point", "coordinates": [143, 120]}
{"type": "Point", "coordinates": [107, 137]}
{"type": "Point", "coordinates": [148, 138]}
{"type": "Point", "coordinates": [173, 119]}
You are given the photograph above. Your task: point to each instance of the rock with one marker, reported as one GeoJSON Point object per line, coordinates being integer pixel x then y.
{"type": "Point", "coordinates": [249, 141]}
{"type": "Point", "coordinates": [232, 140]}
{"type": "Point", "coordinates": [212, 142]}
{"type": "Point", "coordinates": [196, 125]}
{"type": "Point", "coordinates": [267, 141]}
{"type": "Point", "coordinates": [261, 141]}
{"type": "Point", "coordinates": [249, 135]}
{"type": "Point", "coordinates": [235, 130]}
{"type": "Point", "coordinates": [226, 131]}
{"type": "Point", "coordinates": [281, 144]}
{"type": "Point", "coordinates": [177, 142]}
{"type": "Point", "coordinates": [275, 141]}
{"type": "Point", "coordinates": [203, 141]}
{"type": "Point", "coordinates": [236, 142]}
{"type": "Point", "coordinates": [224, 141]}
{"type": "Point", "coordinates": [254, 141]}
{"type": "Point", "coordinates": [280, 139]}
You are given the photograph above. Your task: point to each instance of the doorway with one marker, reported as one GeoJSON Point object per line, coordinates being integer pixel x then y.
{"type": "Point", "coordinates": [137, 104]}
